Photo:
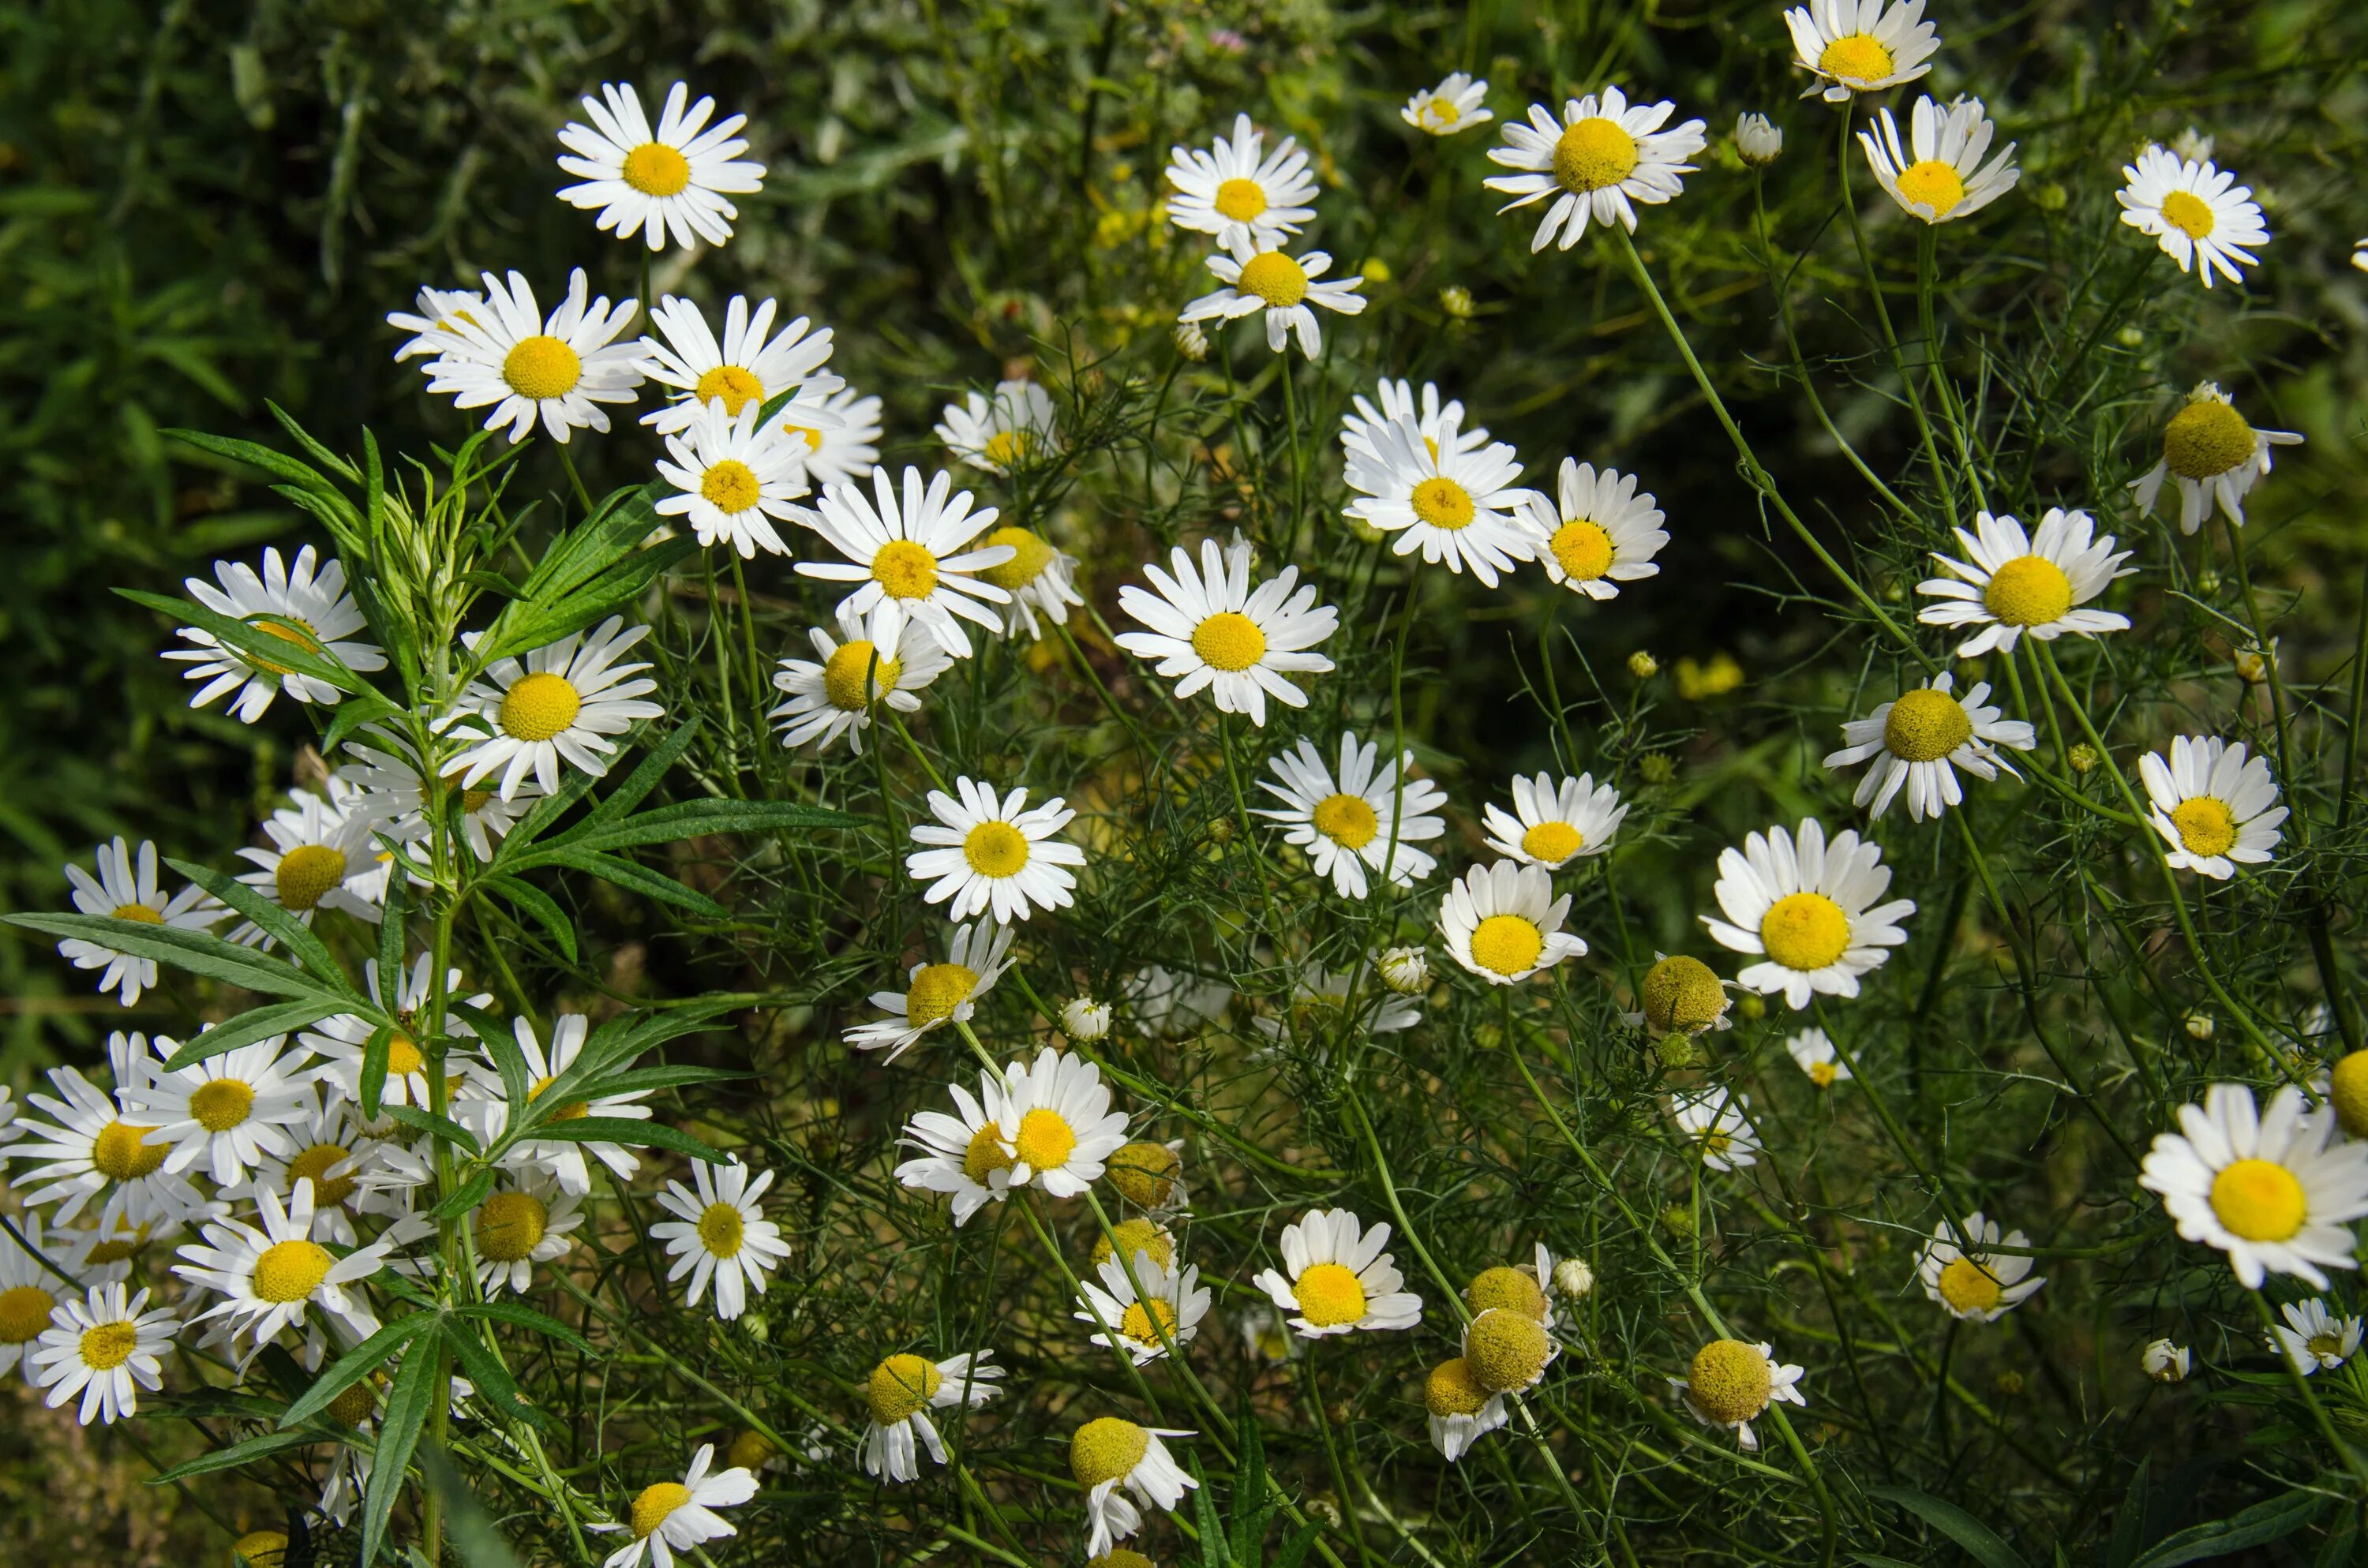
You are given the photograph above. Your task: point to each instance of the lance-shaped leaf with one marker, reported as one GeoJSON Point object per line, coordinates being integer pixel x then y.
{"type": "Point", "coordinates": [546, 910]}
{"type": "Point", "coordinates": [519, 1316]}
{"type": "Point", "coordinates": [408, 1405]}
{"type": "Point", "coordinates": [354, 1365]}
{"type": "Point", "coordinates": [268, 649]}
{"type": "Point", "coordinates": [260, 1023]}
{"type": "Point", "coordinates": [290, 932]}
{"type": "Point", "coordinates": [621, 1130]}
{"type": "Point", "coordinates": [195, 951]}
{"type": "Point", "coordinates": [231, 1458]}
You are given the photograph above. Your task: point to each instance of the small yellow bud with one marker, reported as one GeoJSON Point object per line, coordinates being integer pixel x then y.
{"type": "Point", "coordinates": [2199, 1024]}
{"type": "Point", "coordinates": [1456, 300]}
{"type": "Point", "coordinates": [2083, 758]}
{"type": "Point", "coordinates": [1643, 666]}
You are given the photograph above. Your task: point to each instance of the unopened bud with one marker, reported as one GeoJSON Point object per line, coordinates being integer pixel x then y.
{"type": "Point", "coordinates": [1084, 1019]}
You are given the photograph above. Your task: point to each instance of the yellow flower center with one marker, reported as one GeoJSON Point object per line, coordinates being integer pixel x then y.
{"type": "Point", "coordinates": [1451, 1390]}
{"type": "Point", "coordinates": [1137, 1235]}
{"type": "Point", "coordinates": [300, 635]}
{"type": "Point", "coordinates": [2189, 213]}
{"type": "Point", "coordinates": [2207, 440]}
{"type": "Point", "coordinates": [996, 850]}
{"type": "Point", "coordinates": [575, 1110]}
{"type": "Point", "coordinates": [510, 1226]}
{"type": "Point", "coordinates": [655, 1504]}
{"type": "Point", "coordinates": [1857, 59]}
{"type": "Point", "coordinates": [1933, 183]}
{"type": "Point", "coordinates": [1805, 931]}
{"type": "Point", "coordinates": [1274, 277]}
{"type": "Point", "coordinates": [850, 680]}
{"type": "Point", "coordinates": [539, 705]}
{"type": "Point", "coordinates": [721, 1230]}
{"type": "Point", "coordinates": [121, 1152]}
{"type": "Point", "coordinates": [306, 874]}
{"type": "Point", "coordinates": [1329, 1295]}
{"type": "Point", "coordinates": [1240, 199]}
{"type": "Point", "coordinates": [354, 1406]}
{"type": "Point", "coordinates": [1506, 1350]}
{"type": "Point", "coordinates": [1229, 640]}
{"type": "Point", "coordinates": [2259, 1200]}
{"type": "Point", "coordinates": [730, 486]}
{"type": "Point", "coordinates": [1005, 447]}
{"type": "Point", "coordinates": [1824, 1074]}
{"type": "Point", "coordinates": [986, 1154]}
{"type": "Point", "coordinates": [1346, 820]}
{"type": "Point", "coordinates": [1730, 1381]}
{"type": "Point", "coordinates": [2030, 590]}
{"type": "Point", "coordinates": [2205, 825]}
{"type": "Point", "coordinates": [735, 386]}
{"type": "Point", "coordinates": [1592, 154]}
{"type": "Point", "coordinates": [1583, 550]}
{"type": "Point", "coordinates": [220, 1104]}
{"type": "Point", "coordinates": [1442, 111]}
{"type": "Point", "coordinates": [1150, 1328]}
{"type": "Point", "coordinates": [292, 1270]}
{"type": "Point", "coordinates": [906, 570]}
{"type": "Point", "coordinates": [1682, 993]}
{"type": "Point", "coordinates": [140, 912]}
{"type": "Point", "coordinates": [1443, 504]}
{"type": "Point", "coordinates": [24, 1313]}
{"type": "Point", "coordinates": [655, 169]}
{"type": "Point", "coordinates": [900, 1386]}
{"type": "Point", "coordinates": [2325, 1344]}
{"type": "Point", "coordinates": [1507, 943]}
{"type": "Point", "coordinates": [402, 1057]}
{"type": "Point", "coordinates": [1029, 556]}
{"type": "Point", "coordinates": [1967, 1286]}
{"type": "Point", "coordinates": [1045, 1139]}
{"type": "Point", "coordinates": [2348, 1087]}
{"type": "Point", "coordinates": [813, 436]}
{"type": "Point", "coordinates": [123, 1247]}
{"type": "Point", "coordinates": [312, 1163]}
{"type": "Point", "coordinates": [108, 1346]}
{"type": "Point", "coordinates": [1508, 1288]}
{"type": "Point", "coordinates": [937, 991]}
{"type": "Point", "coordinates": [750, 1450]}
{"type": "Point", "coordinates": [1925, 725]}
{"type": "Point", "coordinates": [1145, 1173]}
{"type": "Point", "coordinates": [1552, 842]}
{"type": "Point", "coordinates": [1107, 1449]}
{"type": "Point", "coordinates": [259, 1549]}
{"type": "Point", "coordinates": [542, 367]}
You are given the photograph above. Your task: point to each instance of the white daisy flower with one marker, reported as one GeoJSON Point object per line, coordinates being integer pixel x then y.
{"type": "Point", "coordinates": [1238, 191]}
{"type": "Point", "coordinates": [9, 1131]}
{"type": "Point", "coordinates": [89, 1150]}
{"type": "Point", "coordinates": [561, 702]}
{"type": "Point", "coordinates": [1438, 419]}
{"type": "Point", "coordinates": [1971, 1282]}
{"type": "Point", "coordinates": [1318, 1012]}
{"type": "Point", "coordinates": [107, 1347]}
{"type": "Point", "coordinates": [964, 1154]}
{"type": "Point", "coordinates": [1456, 104]}
{"type": "Point", "coordinates": [559, 369]}
{"type": "Point", "coordinates": [675, 1517]}
{"type": "Point", "coordinates": [915, 554]}
{"type": "Point", "coordinates": [1919, 739]}
{"type": "Point", "coordinates": [122, 892]}
{"type": "Point", "coordinates": [1210, 627]}
{"type": "Point", "coordinates": [938, 993]}
{"type": "Point", "coordinates": [1719, 1126]}
{"type": "Point", "coordinates": [1457, 506]}
{"type": "Point", "coordinates": [985, 853]}
{"type": "Point", "coordinates": [528, 1222]}
{"type": "Point", "coordinates": [30, 1293]}
{"type": "Point", "coordinates": [1168, 1312]}
{"type": "Point", "coordinates": [1082, 1019]}
{"type": "Point", "coordinates": [1598, 531]}
{"type": "Point", "coordinates": [1503, 922]}
{"type": "Point", "coordinates": [1283, 287]}
{"type": "Point", "coordinates": [317, 616]}
{"type": "Point", "coordinates": [1756, 139]}
{"type": "Point", "coordinates": [1337, 1278]}
{"type": "Point", "coordinates": [1861, 46]}
{"type": "Point", "coordinates": [1168, 1004]}
{"type": "Point", "coordinates": [841, 451]}
{"type": "Point", "coordinates": [1552, 823]}
{"type": "Point", "coordinates": [731, 480]}
{"type": "Point", "coordinates": [1265, 1337]}
{"type": "Point", "coordinates": [672, 181]}
{"type": "Point", "coordinates": [224, 1114]}
{"type": "Point", "coordinates": [437, 309]}
{"type": "Point", "coordinates": [343, 1040]}
{"type": "Point", "coordinates": [2011, 583]}
{"type": "Point", "coordinates": [746, 366]}
{"type": "Point", "coordinates": [1811, 1051]}
{"type": "Point", "coordinates": [901, 1393]}
{"type": "Point", "coordinates": [1461, 1412]}
{"type": "Point", "coordinates": [1732, 1381]}
{"type": "Point", "coordinates": [269, 1276]}
{"type": "Point", "coordinates": [1012, 429]}
{"type": "Point", "coordinates": [2199, 214]}
{"type": "Point", "coordinates": [398, 790]}
{"type": "Point", "coordinates": [1055, 1126]}
{"type": "Point", "coordinates": [1808, 907]}
{"type": "Point", "coordinates": [1107, 1454]}
{"type": "Point", "coordinates": [1360, 818]}
{"type": "Point", "coordinates": [2359, 255]}
{"type": "Point", "coordinates": [565, 1159]}
{"type": "Point", "coordinates": [1597, 160]}
{"type": "Point", "coordinates": [331, 1148]}
{"type": "Point", "coordinates": [2273, 1189]}
{"type": "Point", "coordinates": [878, 656]}
{"type": "Point", "coordinates": [2214, 806]}
{"type": "Point", "coordinates": [323, 855]}
{"type": "Point", "coordinates": [2312, 1339]}
{"type": "Point", "coordinates": [1940, 177]}
{"type": "Point", "coordinates": [1039, 576]}
{"type": "Point", "coordinates": [2165, 1362]}
{"type": "Point", "coordinates": [2213, 455]}
{"type": "Point", "coordinates": [721, 1231]}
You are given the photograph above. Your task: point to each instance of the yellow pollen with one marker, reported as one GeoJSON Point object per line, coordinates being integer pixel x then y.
{"type": "Point", "coordinates": [1682, 994]}
{"type": "Point", "coordinates": [220, 1104]}
{"type": "Point", "coordinates": [1229, 640]}
{"type": "Point", "coordinates": [1145, 1173]}
{"type": "Point", "coordinates": [1506, 1350]}
{"type": "Point", "coordinates": [1329, 1295]}
{"type": "Point", "coordinates": [1925, 725]}
{"type": "Point", "coordinates": [1552, 842]}
{"type": "Point", "coordinates": [2207, 440]}
{"type": "Point", "coordinates": [1805, 931]}
{"type": "Point", "coordinates": [510, 1226]}
{"type": "Point", "coordinates": [120, 1152]}
{"type": "Point", "coordinates": [1507, 944]}
{"type": "Point", "coordinates": [2189, 213]}
{"type": "Point", "coordinates": [24, 1313]}
{"type": "Point", "coordinates": [542, 367]}
{"type": "Point", "coordinates": [1029, 556]}
{"type": "Point", "coordinates": [1507, 1288]}
{"type": "Point", "coordinates": [1592, 154]}
{"type": "Point", "coordinates": [1442, 111]}
{"type": "Point", "coordinates": [1967, 1286]}
{"type": "Point", "coordinates": [1932, 183]}
{"type": "Point", "coordinates": [1274, 277]}
{"type": "Point", "coordinates": [140, 912]}
{"type": "Point", "coordinates": [986, 1154]}
{"type": "Point", "coordinates": [402, 1057]}
{"type": "Point", "coordinates": [1045, 1139]}
{"type": "Point", "coordinates": [721, 1231]}
{"type": "Point", "coordinates": [306, 875]}
{"type": "Point", "coordinates": [906, 570]}
{"type": "Point", "coordinates": [1137, 1235]}
{"type": "Point", "coordinates": [1857, 59]}
{"type": "Point", "coordinates": [1730, 1381]}
{"type": "Point", "coordinates": [259, 1549]}
{"type": "Point", "coordinates": [735, 386]}
{"type": "Point", "coordinates": [539, 705]}
{"type": "Point", "coordinates": [1347, 821]}
{"type": "Point", "coordinates": [2205, 824]}
{"type": "Point", "coordinates": [1824, 1074]}
{"type": "Point", "coordinates": [729, 486]}
{"type": "Point", "coordinates": [1451, 1390]}
{"type": "Point", "coordinates": [2259, 1200]}
{"type": "Point", "coordinates": [1583, 550]}
{"type": "Point", "coordinates": [1107, 1449]}
{"type": "Point", "coordinates": [292, 1270]}
{"type": "Point", "coordinates": [1006, 448]}
{"type": "Point", "coordinates": [1240, 199]}
{"type": "Point", "coordinates": [2348, 1087]}
{"type": "Point", "coordinates": [937, 991]}
{"type": "Point", "coordinates": [996, 850]}
{"type": "Point", "coordinates": [1443, 504]}
{"type": "Point", "coordinates": [1137, 1325]}
{"type": "Point", "coordinates": [300, 635]}
{"type": "Point", "coordinates": [2029, 590]}
{"type": "Point", "coordinates": [108, 1346]}
{"type": "Point", "coordinates": [852, 681]}
{"type": "Point", "coordinates": [474, 801]}
{"type": "Point", "coordinates": [900, 1386]}
{"type": "Point", "coordinates": [651, 1509]}
{"type": "Point", "coordinates": [655, 169]}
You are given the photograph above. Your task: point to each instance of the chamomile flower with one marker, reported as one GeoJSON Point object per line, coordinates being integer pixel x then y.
{"type": "Point", "coordinates": [1108, 1454]}
{"type": "Point", "coordinates": [1168, 1312]}
{"type": "Point", "coordinates": [1337, 1278]}
{"type": "Point", "coordinates": [565, 1159]}
{"type": "Point", "coordinates": [93, 1148]}
{"type": "Point", "coordinates": [844, 450]}
{"type": "Point", "coordinates": [1438, 420]}
{"type": "Point", "coordinates": [2312, 1338]}
{"type": "Point", "coordinates": [1014, 428]}
{"type": "Point", "coordinates": [1731, 1383]}
{"type": "Point", "coordinates": [29, 1294]}
{"type": "Point", "coordinates": [719, 1232]}
{"type": "Point", "coordinates": [1813, 1052]}
{"type": "Point", "coordinates": [271, 1276]}
{"type": "Point", "coordinates": [106, 1348]}
{"type": "Point", "coordinates": [2213, 455]}
{"type": "Point", "coordinates": [1210, 627]}
{"type": "Point", "coordinates": [560, 703]}
{"type": "Point", "coordinates": [1359, 819]}
{"type": "Point", "coordinates": [528, 1222]}
{"type": "Point", "coordinates": [1284, 287]}
{"type": "Point", "coordinates": [1719, 1126]}
{"type": "Point", "coordinates": [1599, 159]}
{"type": "Point", "coordinates": [985, 853]}
{"type": "Point", "coordinates": [1808, 907]}
{"type": "Point", "coordinates": [1169, 1004]}
{"type": "Point", "coordinates": [668, 182]}
{"type": "Point", "coordinates": [1319, 1012]}
{"type": "Point", "coordinates": [1756, 139]}
{"type": "Point", "coordinates": [1527, 1288]}
{"type": "Point", "coordinates": [1056, 1129]}
{"type": "Point", "coordinates": [878, 656]}
{"type": "Point", "coordinates": [1970, 1281]}
{"type": "Point", "coordinates": [730, 479]}
{"type": "Point", "coordinates": [1680, 996]}
{"type": "Point", "coordinates": [323, 855]}
{"type": "Point", "coordinates": [1940, 177]}
{"type": "Point", "coordinates": [921, 553]}
{"type": "Point", "coordinates": [436, 309]}
{"type": "Point", "coordinates": [938, 993]}
{"type": "Point", "coordinates": [2199, 214]}
{"type": "Point", "coordinates": [400, 791]}
{"type": "Point", "coordinates": [900, 1394]}
{"type": "Point", "coordinates": [963, 1155]}
{"type": "Point", "coordinates": [1503, 922]}
{"type": "Point", "coordinates": [2273, 1189]}
{"type": "Point", "coordinates": [1040, 577]}
{"type": "Point", "coordinates": [342, 1040]}
{"type": "Point", "coordinates": [2012, 583]}
{"type": "Point", "coordinates": [1552, 823]}
{"type": "Point", "coordinates": [2214, 806]}
{"type": "Point", "coordinates": [1150, 1175]}
{"type": "Point", "coordinates": [2165, 1362]}
{"type": "Point", "coordinates": [558, 370]}
{"type": "Point", "coordinates": [675, 1517]}
{"type": "Point", "coordinates": [330, 1149]}
{"type": "Point", "coordinates": [1861, 46]}
{"type": "Point", "coordinates": [1456, 104]}
{"type": "Point", "coordinates": [746, 365]}
{"type": "Point", "coordinates": [224, 1114]}
{"type": "Point", "coordinates": [1238, 191]}
{"type": "Point", "coordinates": [1919, 739]}
{"type": "Point", "coordinates": [314, 615]}
{"type": "Point", "coordinates": [1597, 531]}
{"type": "Point", "coordinates": [125, 891]}
{"type": "Point", "coordinates": [1265, 1337]}
{"type": "Point", "coordinates": [1507, 1351]}
{"type": "Point", "coordinates": [1461, 1409]}
{"type": "Point", "coordinates": [1456, 505]}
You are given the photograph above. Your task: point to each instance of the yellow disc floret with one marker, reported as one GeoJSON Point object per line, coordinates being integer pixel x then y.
{"type": "Point", "coordinates": [1154, 1327]}
{"type": "Point", "coordinates": [1240, 199]}
{"type": "Point", "coordinates": [750, 1450]}
{"type": "Point", "coordinates": [306, 875]}
{"type": "Point", "coordinates": [1506, 1350]}
{"type": "Point", "coordinates": [353, 1406]}
{"type": "Point", "coordinates": [735, 386]}
{"type": "Point", "coordinates": [1045, 1139]}
{"type": "Point", "coordinates": [1682, 994]}
{"type": "Point", "coordinates": [651, 1509]}
{"type": "Point", "coordinates": [539, 705]}
{"type": "Point", "coordinates": [403, 1056]}
{"type": "Point", "coordinates": [1805, 931]}
{"type": "Point", "coordinates": [730, 486]}
{"type": "Point", "coordinates": [24, 1313]}
{"type": "Point", "coordinates": [854, 673]}
{"type": "Point", "coordinates": [1329, 1295]}
{"type": "Point", "coordinates": [1730, 1381]}
{"type": "Point", "coordinates": [1347, 821]}
{"type": "Point", "coordinates": [1509, 944]}
{"type": "Point", "coordinates": [121, 1152]}
{"type": "Point", "coordinates": [2259, 1200]}
{"type": "Point", "coordinates": [1106, 1448]}
{"type": "Point", "coordinates": [1029, 556]}
{"type": "Point", "coordinates": [108, 1346]}
{"type": "Point", "coordinates": [1451, 1390]}
{"type": "Point", "coordinates": [2348, 1087]}
{"type": "Point", "coordinates": [220, 1104]}
{"type": "Point", "coordinates": [1592, 154]}
{"type": "Point", "coordinates": [721, 1230]}
{"type": "Point", "coordinates": [259, 1549]}
{"type": "Point", "coordinates": [1443, 504]}
{"type": "Point", "coordinates": [542, 367]}
{"type": "Point", "coordinates": [2189, 213]}
{"type": "Point", "coordinates": [900, 1386]}
{"type": "Point", "coordinates": [510, 1226]}
{"type": "Point", "coordinates": [655, 169]}
{"type": "Point", "coordinates": [1229, 640]}
{"type": "Point", "coordinates": [1968, 1286]}
{"type": "Point", "coordinates": [996, 850]}
{"type": "Point", "coordinates": [1005, 447]}
{"type": "Point", "coordinates": [1583, 550]}
{"type": "Point", "coordinates": [1508, 1288]}
{"type": "Point", "coordinates": [292, 1270]}
{"type": "Point", "coordinates": [1858, 57]}
{"type": "Point", "coordinates": [2206, 826]}
{"type": "Point", "coordinates": [1138, 1235]}
{"type": "Point", "coordinates": [1145, 1173]}
{"type": "Point", "coordinates": [2207, 440]}
{"type": "Point", "coordinates": [985, 1155]}
{"type": "Point", "coordinates": [1932, 183]}
{"type": "Point", "coordinates": [1274, 277]}
{"type": "Point", "coordinates": [1925, 725]}
{"type": "Point", "coordinates": [1552, 843]}
{"type": "Point", "coordinates": [314, 1163]}
{"type": "Point", "coordinates": [2029, 590]}
{"type": "Point", "coordinates": [906, 570]}
{"type": "Point", "coordinates": [140, 912]}
{"type": "Point", "coordinates": [937, 991]}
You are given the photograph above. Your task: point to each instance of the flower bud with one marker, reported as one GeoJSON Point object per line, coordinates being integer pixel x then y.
{"type": "Point", "coordinates": [1756, 139]}
{"type": "Point", "coordinates": [2166, 1362]}
{"type": "Point", "coordinates": [1406, 971]}
{"type": "Point", "coordinates": [1573, 1278]}
{"type": "Point", "coordinates": [2083, 758]}
{"type": "Point", "coordinates": [1456, 300]}
{"type": "Point", "coordinates": [1084, 1019]}
{"type": "Point", "coordinates": [2199, 1024]}
{"type": "Point", "coordinates": [1191, 342]}
{"type": "Point", "coordinates": [1643, 666]}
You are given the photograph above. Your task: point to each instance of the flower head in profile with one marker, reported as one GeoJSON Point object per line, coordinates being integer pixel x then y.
{"type": "Point", "coordinates": [1860, 46]}
{"type": "Point", "coordinates": [672, 182]}
{"type": "Point", "coordinates": [1436, 419]}
{"type": "Point", "coordinates": [1461, 1409]}
{"type": "Point", "coordinates": [899, 1396]}
{"type": "Point", "coordinates": [1121, 1465]}
{"type": "Point", "coordinates": [1356, 819]}
{"type": "Point", "coordinates": [2213, 455]}
{"type": "Point", "coordinates": [563, 702]}
{"type": "Point", "coordinates": [1167, 1311]}
{"type": "Point", "coordinates": [1920, 738]}
{"type": "Point", "coordinates": [1327, 1008]}
{"type": "Point", "coordinates": [985, 853]}
{"type": "Point", "coordinates": [1012, 429]}
{"type": "Point", "coordinates": [2274, 1188]}
{"type": "Point", "coordinates": [2198, 213]}
{"type": "Point", "coordinates": [2215, 806]}
{"type": "Point", "coordinates": [878, 656]}
{"type": "Point", "coordinates": [1968, 1280]}
{"type": "Point", "coordinates": [1808, 907]}
{"type": "Point", "coordinates": [435, 309]}
{"type": "Point", "coordinates": [526, 367]}
{"type": "Point", "coordinates": [108, 1346]}
{"type": "Point", "coordinates": [1336, 1278]}
{"type": "Point", "coordinates": [1718, 1124]}
{"type": "Point", "coordinates": [1085, 1020]}
{"type": "Point", "coordinates": [1455, 504]}
{"type": "Point", "coordinates": [1210, 627]}
{"type": "Point", "coordinates": [938, 993]}
{"type": "Point", "coordinates": [2312, 1339]}
{"type": "Point", "coordinates": [402, 792]}
{"type": "Point", "coordinates": [1598, 161]}
{"type": "Point", "coordinates": [731, 480]}
{"type": "Point", "coordinates": [1731, 1383]}
{"type": "Point", "coordinates": [675, 1517]}
{"type": "Point", "coordinates": [2165, 1362]}
{"type": "Point", "coordinates": [1597, 531]}
{"type": "Point", "coordinates": [1456, 104]}
{"type": "Point", "coordinates": [307, 608]}
{"type": "Point", "coordinates": [719, 1232]}
{"type": "Point", "coordinates": [1238, 191]}
{"type": "Point", "coordinates": [920, 550]}
{"type": "Point", "coordinates": [1811, 1051]}
{"type": "Point", "coordinates": [1284, 287]}
{"type": "Point", "coordinates": [1504, 922]}
{"type": "Point", "coordinates": [1756, 139]}
{"type": "Point", "coordinates": [2011, 583]}
{"type": "Point", "coordinates": [745, 366]}
{"type": "Point", "coordinates": [1555, 822]}
{"type": "Point", "coordinates": [126, 889]}
{"type": "Point", "coordinates": [1940, 177]}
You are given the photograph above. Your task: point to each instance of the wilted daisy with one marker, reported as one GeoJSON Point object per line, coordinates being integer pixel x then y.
{"type": "Point", "coordinates": [2011, 583]}
{"type": "Point", "coordinates": [1107, 1454]}
{"type": "Point", "coordinates": [845, 451]}
{"type": "Point", "coordinates": [122, 892]}
{"type": "Point", "coordinates": [1732, 1382]}
{"type": "Point", "coordinates": [1523, 1288]}
{"type": "Point", "coordinates": [1169, 1004]}
{"type": "Point", "coordinates": [2273, 1189]}
{"type": "Point", "coordinates": [1939, 175]}
{"type": "Point", "coordinates": [1457, 104]}
{"type": "Point", "coordinates": [1456, 505]}
{"type": "Point", "coordinates": [1552, 823]}
{"type": "Point", "coordinates": [1150, 1175]}
{"type": "Point", "coordinates": [672, 181]}
{"type": "Point", "coordinates": [730, 479]}
{"type": "Point", "coordinates": [1055, 1126]}
{"type": "Point", "coordinates": [1360, 818]}
{"type": "Point", "coordinates": [1168, 1312]}
{"type": "Point", "coordinates": [1461, 1409]}
{"type": "Point", "coordinates": [227, 1112]}
{"type": "Point", "coordinates": [270, 1274]}
{"type": "Point", "coordinates": [528, 1222]}
{"type": "Point", "coordinates": [1040, 577]}
{"type": "Point", "coordinates": [721, 1231]}
{"type": "Point", "coordinates": [1920, 739]}
{"type": "Point", "coordinates": [1084, 1019]}
{"type": "Point", "coordinates": [566, 1158]}
{"type": "Point", "coordinates": [2214, 806]}
{"type": "Point", "coordinates": [1598, 159]}
{"type": "Point", "coordinates": [1503, 922]}
{"type": "Point", "coordinates": [1507, 1351]}
{"type": "Point", "coordinates": [938, 993]}
{"type": "Point", "coordinates": [1969, 1281]}
{"type": "Point", "coordinates": [1809, 906]}
{"type": "Point", "coordinates": [2165, 1362]}
{"type": "Point", "coordinates": [746, 366]}
{"type": "Point", "coordinates": [559, 369]}
{"type": "Point", "coordinates": [107, 1347]}
{"type": "Point", "coordinates": [2199, 214]}
{"type": "Point", "coordinates": [2213, 455]}
{"type": "Point", "coordinates": [900, 1394]}
{"type": "Point", "coordinates": [2312, 1338]}
{"type": "Point", "coordinates": [1598, 531]}
{"type": "Point", "coordinates": [314, 614]}
{"type": "Point", "coordinates": [90, 1149]}
{"type": "Point", "coordinates": [400, 791]}
{"type": "Point", "coordinates": [1284, 287]}
{"type": "Point", "coordinates": [1238, 191]}
{"type": "Point", "coordinates": [29, 1295]}
{"type": "Point", "coordinates": [561, 702]}
{"type": "Point", "coordinates": [915, 554]}
{"type": "Point", "coordinates": [1682, 996]}
{"type": "Point", "coordinates": [436, 308]}
{"type": "Point", "coordinates": [1337, 1278]}
{"type": "Point", "coordinates": [983, 854]}
{"type": "Point", "coordinates": [1861, 46]}
{"type": "Point", "coordinates": [963, 1153]}
{"type": "Point", "coordinates": [878, 656]}
{"type": "Point", "coordinates": [1209, 627]}
{"type": "Point", "coordinates": [343, 1040]}
{"type": "Point", "coordinates": [1012, 429]}
{"type": "Point", "coordinates": [678, 1515]}
{"type": "Point", "coordinates": [1719, 1126]}
{"type": "Point", "coordinates": [1812, 1051]}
